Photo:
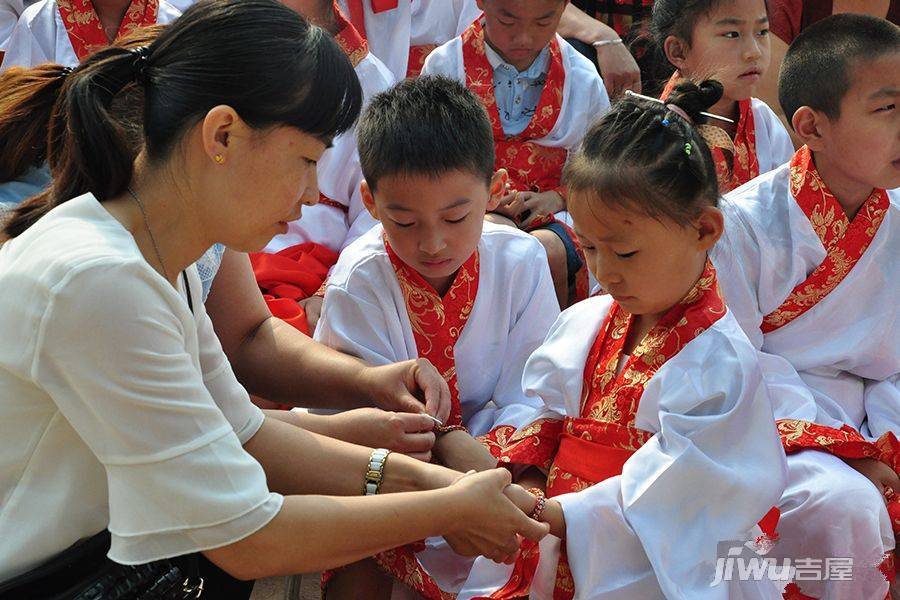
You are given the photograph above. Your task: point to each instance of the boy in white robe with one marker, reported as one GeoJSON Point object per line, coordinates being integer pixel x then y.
{"type": "Point", "coordinates": [541, 95]}
{"type": "Point", "coordinates": [66, 33]}
{"type": "Point", "coordinates": [809, 265]}
{"type": "Point", "coordinates": [655, 442]}
{"type": "Point", "coordinates": [435, 281]}
{"type": "Point", "coordinates": [403, 32]}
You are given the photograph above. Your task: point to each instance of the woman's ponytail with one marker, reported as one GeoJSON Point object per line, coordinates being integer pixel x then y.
{"type": "Point", "coordinates": [27, 97]}
{"type": "Point", "coordinates": [75, 119]}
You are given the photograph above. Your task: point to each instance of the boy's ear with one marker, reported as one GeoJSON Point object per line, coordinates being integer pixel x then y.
{"type": "Point", "coordinates": [499, 181]}
{"type": "Point", "coordinates": [810, 126]}
{"type": "Point", "coordinates": [675, 50]}
{"type": "Point", "coordinates": [710, 225]}
{"type": "Point", "coordinates": [368, 199]}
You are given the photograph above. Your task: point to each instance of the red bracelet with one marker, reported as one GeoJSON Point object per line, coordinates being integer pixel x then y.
{"type": "Point", "coordinates": [539, 504]}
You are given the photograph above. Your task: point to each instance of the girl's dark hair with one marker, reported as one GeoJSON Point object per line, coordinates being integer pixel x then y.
{"type": "Point", "coordinates": [676, 18]}
{"type": "Point", "coordinates": [645, 157]}
{"type": "Point", "coordinates": [256, 56]}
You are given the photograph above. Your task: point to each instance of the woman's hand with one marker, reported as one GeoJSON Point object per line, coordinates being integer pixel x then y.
{"type": "Point", "coordinates": [489, 523]}
{"type": "Point", "coordinates": [407, 433]}
{"type": "Point", "coordinates": [401, 387]}
{"type": "Point", "coordinates": [619, 70]}
{"type": "Point", "coordinates": [884, 477]}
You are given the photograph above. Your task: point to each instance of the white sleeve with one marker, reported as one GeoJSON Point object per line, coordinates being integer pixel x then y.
{"type": "Point", "coordinates": [737, 259]}
{"type": "Point", "coordinates": [23, 48]}
{"type": "Point", "coordinates": [356, 326]}
{"type": "Point", "coordinates": [714, 468]}
{"type": "Point", "coordinates": [528, 331]}
{"type": "Point", "coordinates": [219, 378]}
{"type": "Point", "coordinates": [179, 480]}
{"type": "Point", "coordinates": [882, 402]}
{"type": "Point", "coordinates": [781, 147]}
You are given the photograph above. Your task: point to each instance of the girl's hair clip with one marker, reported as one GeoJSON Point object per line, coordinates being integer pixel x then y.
{"type": "Point", "coordinates": [688, 148]}
{"type": "Point", "coordinates": [658, 101]}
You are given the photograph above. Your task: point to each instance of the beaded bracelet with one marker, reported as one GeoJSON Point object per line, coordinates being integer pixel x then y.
{"type": "Point", "coordinates": [539, 504]}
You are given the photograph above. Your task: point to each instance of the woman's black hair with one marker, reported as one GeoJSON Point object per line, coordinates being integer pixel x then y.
{"type": "Point", "coordinates": [645, 157]}
{"type": "Point", "coordinates": [256, 56]}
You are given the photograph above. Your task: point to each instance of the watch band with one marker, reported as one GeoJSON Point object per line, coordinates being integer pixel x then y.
{"type": "Point", "coordinates": [375, 471]}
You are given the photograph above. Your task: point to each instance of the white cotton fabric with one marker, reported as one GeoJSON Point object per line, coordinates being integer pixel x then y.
{"type": "Point", "coordinates": [40, 36]}
{"type": "Point", "coordinates": [390, 33]}
{"type": "Point", "coordinates": [365, 315]}
{"type": "Point", "coordinates": [773, 143]}
{"type": "Point", "coordinates": [836, 364]}
{"type": "Point", "coordinates": [712, 470]}
{"type": "Point", "coordinates": [118, 407]}
{"type": "Point", "coordinates": [339, 177]}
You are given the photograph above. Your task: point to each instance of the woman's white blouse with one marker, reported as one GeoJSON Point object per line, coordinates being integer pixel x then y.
{"type": "Point", "coordinates": [118, 407]}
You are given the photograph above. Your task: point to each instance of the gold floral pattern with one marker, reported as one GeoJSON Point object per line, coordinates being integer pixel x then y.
{"type": "Point", "coordinates": [845, 242]}
{"type": "Point", "coordinates": [417, 56]}
{"type": "Point", "coordinates": [609, 406]}
{"type": "Point", "coordinates": [349, 39]}
{"type": "Point", "coordinates": [85, 30]}
{"type": "Point", "coordinates": [438, 322]}
{"type": "Point", "coordinates": [531, 166]}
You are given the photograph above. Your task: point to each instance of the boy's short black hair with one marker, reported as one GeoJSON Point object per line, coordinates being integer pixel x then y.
{"type": "Point", "coordinates": [818, 68]}
{"type": "Point", "coordinates": [430, 125]}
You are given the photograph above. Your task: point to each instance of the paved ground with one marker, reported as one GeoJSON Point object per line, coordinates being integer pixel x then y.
{"type": "Point", "coordinates": [286, 588]}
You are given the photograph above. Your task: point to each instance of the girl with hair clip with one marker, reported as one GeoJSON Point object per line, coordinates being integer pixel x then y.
{"type": "Point", "coordinates": [118, 408]}
{"type": "Point", "coordinates": [655, 445]}
{"type": "Point", "coordinates": [729, 42]}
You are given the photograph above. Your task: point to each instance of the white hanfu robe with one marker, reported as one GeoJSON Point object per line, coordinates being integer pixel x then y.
{"type": "Point", "coordinates": [836, 364]}
{"type": "Point", "coordinates": [773, 142]}
{"type": "Point", "coordinates": [712, 468]}
{"type": "Point", "coordinates": [391, 33]}
{"type": "Point", "coordinates": [365, 314]}
{"type": "Point", "coordinates": [339, 176]}
{"type": "Point", "coordinates": [40, 36]}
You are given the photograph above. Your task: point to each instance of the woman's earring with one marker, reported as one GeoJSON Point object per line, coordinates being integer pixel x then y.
{"type": "Point", "coordinates": [219, 159]}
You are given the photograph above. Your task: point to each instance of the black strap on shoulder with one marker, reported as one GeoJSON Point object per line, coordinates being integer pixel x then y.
{"type": "Point", "coordinates": [187, 288]}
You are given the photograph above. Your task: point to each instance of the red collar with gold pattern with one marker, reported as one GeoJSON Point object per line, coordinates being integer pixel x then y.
{"type": "Point", "coordinates": [349, 39]}
{"type": "Point", "coordinates": [845, 241]}
{"type": "Point", "coordinates": [438, 322]}
{"type": "Point", "coordinates": [614, 398]}
{"type": "Point", "coordinates": [86, 31]}
{"type": "Point", "coordinates": [480, 79]}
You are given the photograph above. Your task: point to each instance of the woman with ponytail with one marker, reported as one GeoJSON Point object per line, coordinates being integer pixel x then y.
{"type": "Point", "coordinates": [118, 408]}
{"type": "Point", "coordinates": [656, 440]}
